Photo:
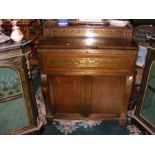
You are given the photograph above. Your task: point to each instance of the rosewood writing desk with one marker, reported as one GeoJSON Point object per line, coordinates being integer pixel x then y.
{"type": "Point", "coordinates": [87, 77]}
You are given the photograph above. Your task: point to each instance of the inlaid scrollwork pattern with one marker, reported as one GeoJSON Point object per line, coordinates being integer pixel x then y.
{"type": "Point", "coordinates": [67, 62]}
{"type": "Point", "coordinates": [103, 62]}
{"type": "Point", "coordinates": [97, 32]}
{"type": "Point", "coordinates": [87, 62]}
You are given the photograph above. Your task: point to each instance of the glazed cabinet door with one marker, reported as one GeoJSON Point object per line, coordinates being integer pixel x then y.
{"type": "Point", "coordinates": [13, 113]}
{"type": "Point", "coordinates": [18, 113]}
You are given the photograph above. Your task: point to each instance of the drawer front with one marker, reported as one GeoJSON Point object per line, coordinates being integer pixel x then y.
{"type": "Point", "coordinates": [89, 61]}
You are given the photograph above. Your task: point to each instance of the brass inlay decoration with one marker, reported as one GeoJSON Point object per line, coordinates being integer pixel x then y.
{"type": "Point", "coordinates": [103, 62]}
{"type": "Point", "coordinates": [97, 32]}
{"type": "Point", "coordinates": [87, 62]}
{"type": "Point", "coordinates": [67, 62]}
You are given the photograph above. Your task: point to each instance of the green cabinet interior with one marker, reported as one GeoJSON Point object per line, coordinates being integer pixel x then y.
{"type": "Point", "coordinates": [148, 106]}
{"type": "Point", "coordinates": [13, 113]}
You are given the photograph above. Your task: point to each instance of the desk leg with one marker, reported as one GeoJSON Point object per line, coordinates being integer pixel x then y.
{"type": "Point", "coordinates": [128, 88]}
{"type": "Point", "coordinates": [122, 123]}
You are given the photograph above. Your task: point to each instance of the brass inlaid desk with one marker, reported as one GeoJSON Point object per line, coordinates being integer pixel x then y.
{"type": "Point", "coordinates": [86, 78]}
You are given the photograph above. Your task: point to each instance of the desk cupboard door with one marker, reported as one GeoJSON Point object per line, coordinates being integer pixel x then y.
{"type": "Point", "coordinates": [107, 96]}
{"type": "Point", "coordinates": [67, 95]}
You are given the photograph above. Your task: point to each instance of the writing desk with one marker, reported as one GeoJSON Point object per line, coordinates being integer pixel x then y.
{"type": "Point", "coordinates": [87, 77]}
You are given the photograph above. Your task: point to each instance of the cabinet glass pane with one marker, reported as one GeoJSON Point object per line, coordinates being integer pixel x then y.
{"type": "Point", "coordinates": [9, 82]}
{"type": "Point", "coordinates": [148, 107]}
{"type": "Point", "coordinates": [13, 112]}
{"type": "Point", "coordinates": [13, 115]}
{"type": "Point", "coordinates": [151, 81]}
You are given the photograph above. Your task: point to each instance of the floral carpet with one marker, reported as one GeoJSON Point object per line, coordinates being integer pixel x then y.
{"type": "Point", "coordinates": [80, 127]}
{"type": "Point", "coordinates": [75, 127]}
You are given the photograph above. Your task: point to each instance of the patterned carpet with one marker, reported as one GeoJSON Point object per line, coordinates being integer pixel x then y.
{"type": "Point", "coordinates": [66, 127]}
{"type": "Point", "coordinates": [76, 127]}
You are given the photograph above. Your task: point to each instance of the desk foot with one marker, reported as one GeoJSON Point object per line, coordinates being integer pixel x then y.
{"type": "Point", "coordinates": [49, 119]}
{"type": "Point", "coordinates": [122, 123]}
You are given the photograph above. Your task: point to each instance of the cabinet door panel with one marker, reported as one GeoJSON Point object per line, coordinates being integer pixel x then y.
{"type": "Point", "coordinates": [13, 115]}
{"type": "Point", "coordinates": [68, 93]}
{"type": "Point", "coordinates": [107, 94]}
{"type": "Point", "coordinates": [13, 111]}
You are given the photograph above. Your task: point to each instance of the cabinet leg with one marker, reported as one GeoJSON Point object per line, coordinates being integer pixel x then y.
{"type": "Point", "coordinates": [122, 123]}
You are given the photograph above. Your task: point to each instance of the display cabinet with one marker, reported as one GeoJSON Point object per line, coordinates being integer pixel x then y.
{"type": "Point", "coordinates": [18, 112]}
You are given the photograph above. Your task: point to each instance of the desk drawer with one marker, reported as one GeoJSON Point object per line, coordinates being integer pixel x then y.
{"type": "Point", "coordinates": [89, 61]}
